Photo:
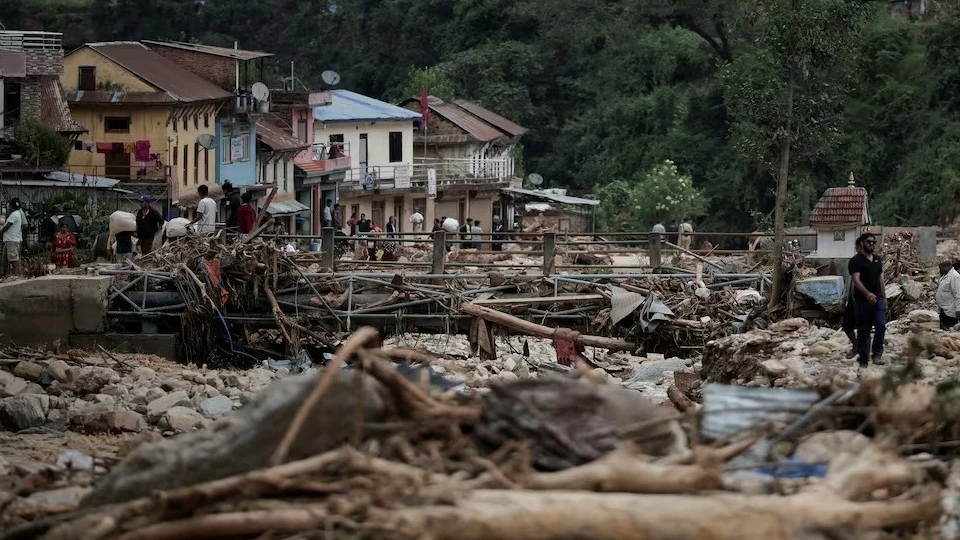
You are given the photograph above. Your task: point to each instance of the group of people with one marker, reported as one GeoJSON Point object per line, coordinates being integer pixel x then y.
{"type": "Point", "coordinates": [471, 233]}
{"type": "Point", "coordinates": [680, 234]}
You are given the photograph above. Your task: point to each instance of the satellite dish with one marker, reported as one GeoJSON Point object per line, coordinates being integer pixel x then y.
{"type": "Point", "coordinates": [260, 91]}
{"type": "Point", "coordinates": [535, 179]}
{"type": "Point", "coordinates": [330, 77]}
{"type": "Point", "coordinates": [207, 141]}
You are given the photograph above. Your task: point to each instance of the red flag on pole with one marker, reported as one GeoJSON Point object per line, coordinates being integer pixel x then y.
{"type": "Point", "coordinates": [424, 103]}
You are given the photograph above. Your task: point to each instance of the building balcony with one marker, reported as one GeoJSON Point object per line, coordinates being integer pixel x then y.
{"type": "Point", "coordinates": [449, 173]}
{"type": "Point", "coordinates": [283, 99]}
{"type": "Point", "coordinates": [16, 40]}
{"type": "Point", "coordinates": [30, 53]}
{"type": "Point", "coordinates": [324, 158]}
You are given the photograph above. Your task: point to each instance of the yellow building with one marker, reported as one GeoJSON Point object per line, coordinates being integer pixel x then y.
{"type": "Point", "coordinates": [136, 104]}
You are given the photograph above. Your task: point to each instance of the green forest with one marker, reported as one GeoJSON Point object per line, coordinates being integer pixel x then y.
{"type": "Point", "coordinates": [730, 96]}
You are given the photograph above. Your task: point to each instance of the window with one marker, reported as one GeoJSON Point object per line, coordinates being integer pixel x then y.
{"type": "Point", "coordinates": [116, 124]}
{"type": "Point", "coordinates": [302, 130]}
{"type": "Point", "coordinates": [338, 138]}
{"type": "Point", "coordinates": [88, 78]}
{"type": "Point", "coordinates": [286, 178]}
{"type": "Point", "coordinates": [839, 236]}
{"type": "Point", "coordinates": [184, 122]}
{"type": "Point", "coordinates": [174, 155]}
{"type": "Point", "coordinates": [206, 164]}
{"type": "Point", "coordinates": [396, 146]}
{"type": "Point", "coordinates": [185, 164]}
{"type": "Point", "coordinates": [196, 161]}
{"type": "Point", "coordinates": [196, 121]}
{"type": "Point", "coordinates": [9, 102]}
{"type": "Point", "coordinates": [206, 120]}
{"type": "Point", "coordinates": [276, 176]}
{"type": "Point", "coordinates": [236, 146]}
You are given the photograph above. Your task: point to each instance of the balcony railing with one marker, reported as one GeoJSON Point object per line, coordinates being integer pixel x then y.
{"type": "Point", "coordinates": [16, 40]}
{"type": "Point", "coordinates": [449, 172]}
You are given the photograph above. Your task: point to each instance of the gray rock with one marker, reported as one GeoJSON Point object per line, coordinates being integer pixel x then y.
{"type": "Point", "coordinates": [90, 380]}
{"type": "Point", "coordinates": [181, 419]}
{"type": "Point", "coordinates": [75, 460]}
{"type": "Point", "coordinates": [210, 391]}
{"type": "Point", "coordinates": [68, 496]}
{"type": "Point", "coordinates": [106, 419]}
{"type": "Point", "coordinates": [650, 371]}
{"type": "Point", "coordinates": [144, 373]}
{"type": "Point", "coordinates": [33, 388]}
{"type": "Point", "coordinates": [56, 416]}
{"type": "Point", "coordinates": [193, 377]}
{"type": "Point", "coordinates": [154, 394]}
{"type": "Point", "coordinates": [104, 399]}
{"type": "Point", "coordinates": [233, 381]}
{"type": "Point", "coordinates": [12, 386]}
{"type": "Point", "coordinates": [260, 377]}
{"type": "Point", "coordinates": [157, 407]}
{"type": "Point", "coordinates": [29, 371]}
{"type": "Point", "coordinates": [24, 411]}
{"type": "Point", "coordinates": [57, 369]}
{"type": "Point", "coordinates": [214, 381]}
{"type": "Point", "coordinates": [510, 364]}
{"type": "Point", "coordinates": [172, 385]}
{"type": "Point", "coordinates": [507, 376]}
{"type": "Point", "coordinates": [216, 407]}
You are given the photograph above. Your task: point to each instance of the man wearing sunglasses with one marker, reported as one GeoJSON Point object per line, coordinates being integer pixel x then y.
{"type": "Point", "coordinates": [866, 270]}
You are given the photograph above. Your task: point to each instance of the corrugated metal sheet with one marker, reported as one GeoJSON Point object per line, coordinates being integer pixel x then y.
{"type": "Point", "coordinates": [54, 112]}
{"type": "Point", "coordinates": [476, 127]}
{"type": "Point", "coordinates": [99, 97]}
{"type": "Point", "coordinates": [160, 72]}
{"type": "Point", "coordinates": [81, 180]}
{"type": "Point", "coordinates": [276, 137]}
{"type": "Point", "coordinates": [736, 409]}
{"type": "Point", "coordinates": [562, 199]}
{"type": "Point", "coordinates": [491, 117]}
{"type": "Point", "coordinates": [350, 106]}
{"type": "Point", "coordinates": [455, 138]}
{"type": "Point", "coordinates": [841, 205]}
{"type": "Point", "coordinates": [236, 54]}
{"type": "Point", "coordinates": [286, 205]}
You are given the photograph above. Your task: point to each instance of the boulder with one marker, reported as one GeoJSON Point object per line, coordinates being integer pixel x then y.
{"type": "Point", "coordinates": [790, 325]}
{"type": "Point", "coordinates": [819, 349]}
{"type": "Point", "coordinates": [12, 386]}
{"type": "Point", "coordinates": [181, 419]}
{"type": "Point", "coordinates": [90, 380]}
{"type": "Point", "coordinates": [24, 411]}
{"type": "Point", "coordinates": [106, 419]}
{"type": "Point", "coordinates": [216, 407]}
{"type": "Point", "coordinates": [155, 393]}
{"type": "Point", "coordinates": [774, 368]}
{"type": "Point", "coordinates": [29, 371]}
{"type": "Point", "coordinates": [157, 407]}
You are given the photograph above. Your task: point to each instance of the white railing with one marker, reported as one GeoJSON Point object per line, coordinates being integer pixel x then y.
{"type": "Point", "coordinates": [15, 40]}
{"type": "Point", "coordinates": [448, 172]}
{"type": "Point", "coordinates": [330, 150]}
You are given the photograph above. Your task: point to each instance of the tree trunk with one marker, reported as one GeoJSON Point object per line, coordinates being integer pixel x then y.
{"type": "Point", "coordinates": [779, 208]}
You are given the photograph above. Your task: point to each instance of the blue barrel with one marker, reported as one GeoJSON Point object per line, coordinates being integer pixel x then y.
{"type": "Point", "coordinates": [315, 246]}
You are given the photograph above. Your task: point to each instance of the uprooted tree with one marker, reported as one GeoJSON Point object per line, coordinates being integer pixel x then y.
{"type": "Point", "coordinates": [786, 88]}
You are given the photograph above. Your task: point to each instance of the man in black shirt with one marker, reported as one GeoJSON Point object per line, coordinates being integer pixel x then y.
{"type": "Point", "coordinates": [149, 223]}
{"type": "Point", "coordinates": [231, 204]}
{"type": "Point", "coordinates": [869, 298]}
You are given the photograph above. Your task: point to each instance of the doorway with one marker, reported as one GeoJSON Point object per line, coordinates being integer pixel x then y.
{"type": "Point", "coordinates": [117, 166]}
{"type": "Point", "coordinates": [398, 213]}
{"type": "Point", "coordinates": [363, 155]}
{"type": "Point", "coordinates": [376, 213]}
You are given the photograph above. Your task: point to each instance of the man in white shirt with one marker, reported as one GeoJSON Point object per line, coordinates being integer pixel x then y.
{"type": "Point", "coordinates": [328, 214]}
{"type": "Point", "coordinates": [659, 228]}
{"type": "Point", "coordinates": [13, 236]}
{"type": "Point", "coordinates": [948, 295]}
{"type": "Point", "coordinates": [206, 212]}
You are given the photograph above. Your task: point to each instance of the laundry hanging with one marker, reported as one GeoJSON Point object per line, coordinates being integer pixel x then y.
{"type": "Point", "coordinates": [104, 148]}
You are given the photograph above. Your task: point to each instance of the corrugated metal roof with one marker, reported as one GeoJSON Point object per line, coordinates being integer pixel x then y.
{"type": "Point", "coordinates": [841, 205]}
{"type": "Point", "coordinates": [159, 71]}
{"type": "Point", "coordinates": [99, 97]}
{"type": "Point", "coordinates": [81, 180]}
{"type": "Point", "coordinates": [284, 204]}
{"type": "Point", "coordinates": [54, 112]}
{"type": "Point", "coordinates": [350, 106]}
{"type": "Point", "coordinates": [236, 54]}
{"type": "Point", "coordinates": [491, 117]}
{"type": "Point", "coordinates": [466, 121]}
{"type": "Point", "coordinates": [276, 137]}
{"type": "Point", "coordinates": [562, 199]}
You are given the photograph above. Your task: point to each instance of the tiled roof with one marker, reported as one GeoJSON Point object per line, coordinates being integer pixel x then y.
{"type": "Point", "coordinates": [478, 123]}
{"type": "Point", "coordinates": [54, 112]}
{"type": "Point", "coordinates": [276, 137]}
{"type": "Point", "coordinates": [350, 106]}
{"type": "Point", "coordinates": [491, 117]}
{"type": "Point", "coordinates": [236, 54]}
{"type": "Point", "coordinates": [841, 205]}
{"type": "Point", "coordinates": [160, 72]}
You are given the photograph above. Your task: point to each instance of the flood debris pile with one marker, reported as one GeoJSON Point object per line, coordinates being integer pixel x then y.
{"type": "Point", "coordinates": [364, 450]}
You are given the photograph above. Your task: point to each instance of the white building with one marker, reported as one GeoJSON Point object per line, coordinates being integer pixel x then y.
{"type": "Point", "coordinates": [839, 217]}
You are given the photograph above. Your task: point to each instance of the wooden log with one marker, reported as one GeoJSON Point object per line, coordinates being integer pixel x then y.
{"type": "Point", "coordinates": [534, 515]}
{"type": "Point", "coordinates": [538, 330]}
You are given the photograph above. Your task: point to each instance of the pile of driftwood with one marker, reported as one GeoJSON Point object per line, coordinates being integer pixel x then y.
{"type": "Point", "coordinates": [368, 452]}
{"type": "Point", "coordinates": [901, 256]}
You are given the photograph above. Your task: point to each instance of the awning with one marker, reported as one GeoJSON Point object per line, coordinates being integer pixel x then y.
{"type": "Point", "coordinates": [562, 199]}
{"type": "Point", "coordinates": [287, 207]}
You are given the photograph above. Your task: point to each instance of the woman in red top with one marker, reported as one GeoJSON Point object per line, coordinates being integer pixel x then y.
{"type": "Point", "coordinates": [246, 215]}
{"type": "Point", "coordinates": [63, 243]}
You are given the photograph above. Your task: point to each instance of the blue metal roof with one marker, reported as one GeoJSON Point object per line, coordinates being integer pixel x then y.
{"type": "Point", "coordinates": [350, 106]}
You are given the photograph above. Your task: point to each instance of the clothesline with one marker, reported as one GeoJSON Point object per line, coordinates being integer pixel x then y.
{"type": "Point", "coordinates": [146, 160]}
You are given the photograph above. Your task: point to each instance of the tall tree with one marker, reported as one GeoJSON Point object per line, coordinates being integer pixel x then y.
{"type": "Point", "coordinates": [786, 90]}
